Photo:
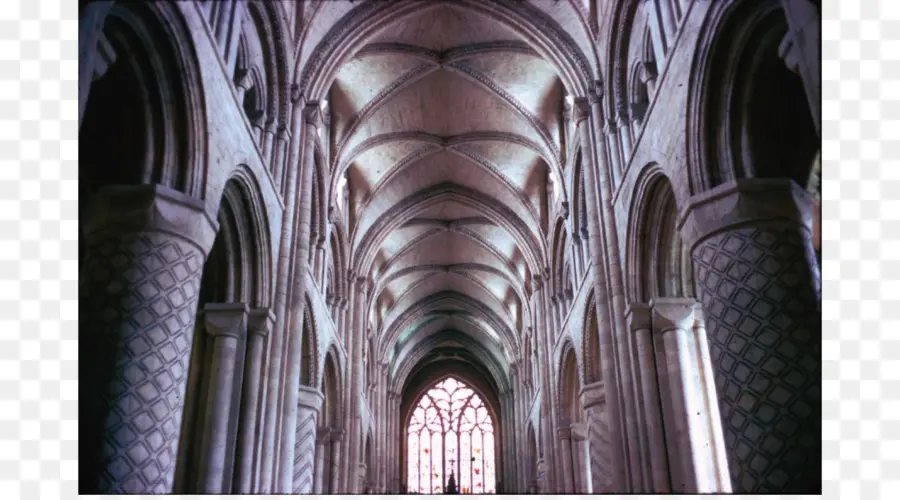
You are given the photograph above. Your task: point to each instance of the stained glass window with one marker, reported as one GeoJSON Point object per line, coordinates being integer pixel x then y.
{"type": "Point", "coordinates": [450, 429]}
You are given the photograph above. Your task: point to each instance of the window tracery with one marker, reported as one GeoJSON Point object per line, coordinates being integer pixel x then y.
{"type": "Point", "coordinates": [450, 429]}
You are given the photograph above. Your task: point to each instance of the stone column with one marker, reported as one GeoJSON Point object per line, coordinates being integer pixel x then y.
{"type": "Point", "coordinates": [717, 468]}
{"type": "Point", "coordinates": [336, 438]}
{"type": "Point", "coordinates": [309, 402]}
{"type": "Point", "coordinates": [355, 437]}
{"type": "Point", "coordinates": [282, 139]}
{"type": "Point", "coordinates": [351, 368]}
{"type": "Point", "coordinates": [233, 36]}
{"type": "Point", "coordinates": [322, 264]}
{"type": "Point", "coordinates": [221, 24]}
{"type": "Point", "coordinates": [296, 310]}
{"type": "Point", "coordinates": [626, 134]}
{"type": "Point", "coordinates": [602, 460]}
{"type": "Point", "coordinates": [381, 449]}
{"type": "Point", "coordinates": [267, 142]}
{"type": "Point", "coordinates": [393, 457]}
{"type": "Point", "coordinates": [648, 397]}
{"type": "Point", "coordinates": [226, 324]}
{"type": "Point", "coordinates": [260, 323]}
{"type": "Point", "coordinates": [273, 374]}
{"type": "Point", "coordinates": [667, 18]}
{"type": "Point", "coordinates": [757, 278]}
{"type": "Point", "coordinates": [242, 84]}
{"type": "Point", "coordinates": [616, 156]}
{"type": "Point", "coordinates": [585, 110]}
{"type": "Point", "coordinates": [322, 439]}
{"type": "Point", "coordinates": [542, 335]}
{"type": "Point", "coordinates": [565, 447]}
{"type": "Point", "coordinates": [800, 50]}
{"type": "Point", "coordinates": [672, 321]}
{"type": "Point", "coordinates": [632, 393]}
{"type": "Point", "coordinates": [657, 36]}
{"type": "Point", "coordinates": [145, 249]}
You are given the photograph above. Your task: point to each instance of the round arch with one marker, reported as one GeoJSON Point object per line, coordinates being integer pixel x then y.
{"type": "Point", "coordinates": [658, 263]}
{"type": "Point", "coordinates": [741, 126]}
{"type": "Point", "coordinates": [150, 99]}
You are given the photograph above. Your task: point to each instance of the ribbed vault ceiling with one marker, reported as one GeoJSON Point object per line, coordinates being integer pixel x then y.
{"type": "Point", "coordinates": [447, 125]}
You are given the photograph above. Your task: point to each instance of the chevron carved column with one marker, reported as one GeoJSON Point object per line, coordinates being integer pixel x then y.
{"type": "Point", "coordinates": [310, 400]}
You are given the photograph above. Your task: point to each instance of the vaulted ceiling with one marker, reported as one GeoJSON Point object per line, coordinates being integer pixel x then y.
{"type": "Point", "coordinates": [448, 127]}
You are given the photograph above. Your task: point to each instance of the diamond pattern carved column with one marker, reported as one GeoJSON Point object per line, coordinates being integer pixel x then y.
{"type": "Point", "coordinates": [145, 249]}
{"type": "Point", "coordinates": [757, 278]}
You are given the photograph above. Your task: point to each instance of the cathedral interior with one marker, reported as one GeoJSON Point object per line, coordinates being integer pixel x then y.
{"type": "Point", "coordinates": [431, 246]}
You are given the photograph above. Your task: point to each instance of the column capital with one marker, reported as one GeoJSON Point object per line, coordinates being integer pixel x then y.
{"type": "Point", "coordinates": [242, 79]}
{"type": "Point", "coordinates": [309, 398]}
{"type": "Point", "coordinates": [297, 97]}
{"type": "Point", "coordinates": [595, 93]}
{"type": "Point", "coordinates": [581, 109]}
{"type": "Point", "coordinates": [673, 313]}
{"type": "Point", "coordinates": [151, 208]}
{"type": "Point", "coordinates": [226, 319]}
{"type": "Point", "coordinates": [743, 202]}
{"type": "Point", "coordinates": [638, 316]}
{"type": "Point", "coordinates": [610, 127]}
{"type": "Point", "coordinates": [312, 114]}
{"type": "Point", "coordinates": [261, 321]}
{"type": "Point", "coordinates": [593, 394]}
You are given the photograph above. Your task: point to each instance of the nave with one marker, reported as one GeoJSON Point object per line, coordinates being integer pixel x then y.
{"type": "Point", "coordinates": [363, 247]}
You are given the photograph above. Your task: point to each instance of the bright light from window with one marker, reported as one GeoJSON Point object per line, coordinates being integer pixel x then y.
{"type": "Point", "coordinates": [450, 430]}
{"type": "Point", "coordinates": [340, 192]}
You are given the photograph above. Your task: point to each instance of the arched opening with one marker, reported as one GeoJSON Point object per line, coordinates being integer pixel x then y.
{"type": "Point", "coordinates": [576, 477]}
{"type": "Point", "coordinates": [308, 344]}
{"type": "Point", "coordinates": [327, 435]}
{"type": "Point", "coordinates": [757, 122]}
{"type": "Point", "coordinates": [666, 266]}
{"type": "Point", "coordinates": [231, 287]}
{"type": "Point", "coordinates": [451, 431]}
{"type": "Point", "coordinates": [592, 408]}
{"type": "Point", "coordinates": [591, 341]}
